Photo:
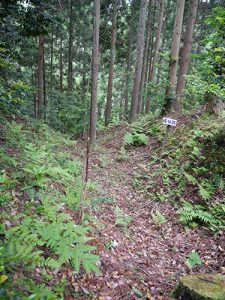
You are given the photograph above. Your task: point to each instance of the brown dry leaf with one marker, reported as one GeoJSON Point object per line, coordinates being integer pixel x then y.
{"type": "Point", "coordinates": [148, 296]}
{"type": "Point", "coordinates": [69, 272]}
{"type": "Point", "coordinates": [206, 263]}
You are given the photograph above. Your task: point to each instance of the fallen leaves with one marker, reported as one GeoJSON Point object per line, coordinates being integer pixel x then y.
{"type": "Point", "coordinates": [146, 261]}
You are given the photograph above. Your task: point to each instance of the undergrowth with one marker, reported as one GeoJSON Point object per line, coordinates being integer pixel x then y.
{"type": "Point", "coordinates": [140, 131]}
{"type": "Point", "coordinates": [40, 181]}
{"type": "Point", "coordinates": [190, 174]}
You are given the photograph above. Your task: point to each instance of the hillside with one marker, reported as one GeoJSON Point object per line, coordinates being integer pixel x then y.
{"type": "Point", "coordinates": [152, 219]}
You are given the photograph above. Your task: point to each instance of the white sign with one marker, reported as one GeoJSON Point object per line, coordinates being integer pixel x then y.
{"type": "Point", "coordinates": [169, 121]}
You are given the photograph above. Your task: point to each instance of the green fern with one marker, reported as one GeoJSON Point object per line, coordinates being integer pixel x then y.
{"type": "Point", "coordinates": [206, 189]}
{"type": "Point", "coordinates": [190, 178]}
{"type": "Point", "coordinates": [158, 218]}
{"type": "Point", "coordinates": [121, 218]}
{"type": "Point", "coordinates": [135, 138]}
{"type": "Point", "coordinates": [128, 139]}
{"type": "Point", "coordinates": [196, 213]}
{"type": "Point", "coordinates": [205, 194]}
{"type": "Point", "coordinates": [66, 243]}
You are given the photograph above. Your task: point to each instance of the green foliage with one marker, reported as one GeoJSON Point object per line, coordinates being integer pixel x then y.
{"type": "Point", "coordinates": [3, 277]}
{"type": "Point", "coordinates": [65, 241]}
{"type": "Point", "coordinates": [193, 214]}
{"type": "Point", "coordinates": [96, 202]}
{"type": "Point", "coordinates": [158, 218]}
{"type": "Point", "coordinates": [122, 156]}
{"type": "Point", "coordinates": [149, 126]}
{"type": "Point", "coordinates": [193, 259]}
{"type": "Point", "coordinates": [103, 161]}
{"type": "Point", "coordinates": [121, 218]}
{"type": "Point", "coordinates": [12, 94]}
{"type": "Point", "coordinates": [135, 139]}
{"type": "Point", "coordinates": [39, 181]}
{"type": "Point", "coordinates": [192, 167]}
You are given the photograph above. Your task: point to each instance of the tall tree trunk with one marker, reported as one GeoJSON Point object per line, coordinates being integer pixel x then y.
{"type": "Point", "coordinates": [111, 65]}
{"type": "Point", "coordinates": [51, 63]}
{"type": "Point", "coordinates": [44, 85]}
{"type": "Point", "coordinates": [94, 87]}
{"type": "Point", "coordinates": [60, 68]}
{"type": "Point", "coordinates": [40, 74]}
{"type": "Point", "coordinates": [145, 56]}
{"type": "Point", "coordinates": [126, 100]}
{"type": "Point", "coordinates": [150, 53]}
{"type": "Point", "coordinates": [139, 60]}
{"type": "Point", "coordinates": [34, 81]}
{"type": "Point", "coordinates": [156, 52]}
{"type": "Point", "coordinates": [70, 57]}
{"type": "Point", "coordinates": [172, 73]}
{"type": "Point", "coordinates": [152, 68]}
{"type": "Point", "coordinates": [185, 53]}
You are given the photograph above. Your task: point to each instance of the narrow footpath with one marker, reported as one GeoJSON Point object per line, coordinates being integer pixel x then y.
{"type": "Point", "coordinates": [140, 259]}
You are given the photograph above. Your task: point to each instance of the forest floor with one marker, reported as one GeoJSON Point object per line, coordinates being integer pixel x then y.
{"type": "Point", "coordinates": [140, 259]}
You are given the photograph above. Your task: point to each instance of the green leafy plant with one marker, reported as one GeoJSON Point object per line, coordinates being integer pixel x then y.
{"type": "Point", "coordinates": [158, 218]}
{"type": "Point", "coordinates": [121, 218]}
{"type": "Point", "coordinates": [135, 138]}
{"type": "Point", "coordinates": [3, 277]}
{"type": "Point", "coordinates": [43, 181]}
{"type": "Point", "coordinates": [193, 259]}
{"type": "Point", "coordinates": [103, 160]}
{"type": "Point", "coordinates": [192, 214]}
{"type": "Point", "coordinates": [65, 241]}
{"type": "Point", "coordinates": [122, 155]}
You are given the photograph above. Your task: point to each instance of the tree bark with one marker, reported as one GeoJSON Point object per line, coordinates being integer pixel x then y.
{"type": "Point", "coordinates": [40, 74]}
{"type": "Point", "coordinates": [150, 53]}
{"type": "Point", "coordinates": [185, 53]}
{"type": "Point", "coordinates": [70, 57]}
{"type": "Point", "coordinates": [139, 61]}
{"type": "Point", "coordinates": [94, 88]}
{"type": "Point", "coordinates": [172, 73]}
{"type": "Point", "coordinates": [111, 65]}
{"type": "Point", "coordinates": [156, 53]}
{"type": "Point", "coordinates": [145, 56]}
{"type": "Point", "coordinates": [60, 68]}
{"type": "Point", "coordinates": [51, 63]}
{"type": "Point", "coordinates": [34, 81]}
{"type": "Point", "coordinates": [126, 100]}
{"type": "Point", "coordinates": [44, 85]}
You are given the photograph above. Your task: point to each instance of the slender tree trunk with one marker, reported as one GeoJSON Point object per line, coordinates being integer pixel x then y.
{"type": "Point", "coordinates": [84, 80]}
{"type": "Point", "coordinates": [172, 73]}
{"type": "Point", "coordinates": [111, 66]}
{"type": "Point", "coordinates": [150, 54]}
{"type": "Point", "coordinates": [51, 63]}
{"type": "Point", "coordinates": [70, 58]}
{"type": "Point", "coordinates": [34, 77]}
{"type": "Point", "coordinates": [139, 61]}
{"type": "Point", "coordinates": [156, 53]}
{"type": "Point", "coordinates": [145, 56]}
{"type": "Point", "coordinates": [40, 74]}
{"type": "Point", "coordinates": [126, 100]}
{"type": "Point", "coordinates": [185, 53]}
{"type": "Point", "coordinates": [94, 88]}
{"type": "Point", "coordinates": [60, 68]}
{"type": "Point", "coordinates": [44, 85]}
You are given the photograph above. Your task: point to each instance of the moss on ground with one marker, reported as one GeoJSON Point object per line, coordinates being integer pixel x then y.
{"type": "Point", "coordinates": [201, 287]}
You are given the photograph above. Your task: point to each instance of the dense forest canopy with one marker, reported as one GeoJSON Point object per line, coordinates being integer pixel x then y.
{"type": "Point", "coordinates": [112, 149]}
{"type": "Point", "coordinates": [46, 57]}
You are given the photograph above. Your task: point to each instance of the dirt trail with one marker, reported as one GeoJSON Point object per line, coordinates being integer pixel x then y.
{"type": "Point", "coordinates": [141, 257]}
